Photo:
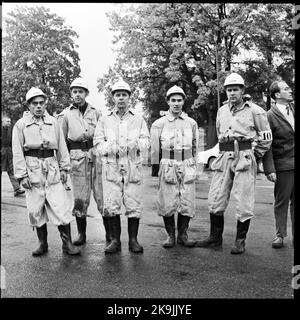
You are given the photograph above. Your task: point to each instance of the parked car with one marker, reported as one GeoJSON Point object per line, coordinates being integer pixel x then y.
{"type": "Point", "coordinates": [208, 156]}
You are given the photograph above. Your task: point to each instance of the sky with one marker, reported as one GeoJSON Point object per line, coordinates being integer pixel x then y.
{"type": "Point", "coordinates": [95, 49]}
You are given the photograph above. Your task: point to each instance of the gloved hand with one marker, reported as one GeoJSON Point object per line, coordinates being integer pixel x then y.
{"type": "Point", "coordinates": [63, 176]}
{"type": "Point", "coordinates": [25, 183]}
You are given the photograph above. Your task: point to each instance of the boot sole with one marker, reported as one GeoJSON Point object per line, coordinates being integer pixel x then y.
{"type": "Point", "coordinates": [71, 254]}
{"type": "Point", "coordinates": [39, 254]}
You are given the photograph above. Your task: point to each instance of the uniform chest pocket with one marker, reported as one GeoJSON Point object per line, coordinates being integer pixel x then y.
{"type": "Point", "coordinates": [91, 121]}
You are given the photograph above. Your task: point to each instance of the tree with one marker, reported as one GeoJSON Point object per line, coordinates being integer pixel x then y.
{"type": "Point", "coordinates": [273, 40]}
{"type": "Point", "coordinates": [189, 44]}
{"type": "Point", "coordinates": [37, 50]}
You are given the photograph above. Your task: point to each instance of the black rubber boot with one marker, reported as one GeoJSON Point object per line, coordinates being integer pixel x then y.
{"type": "Point", "coordinates": [114, 225]}
{"type": "Point", "coordinates": [241, 233]}
{"type": "Point", "coordinates": [133, 227]}
{"type": "Point", "coordinates": [215, 238]}
{"type": "Point", "coordinates": [107, 230]}
{"type": "Point", "coordinates": [65, 234]}
{"type": "Point", "coordinates": [182, 226]}
{"type": "Point", "coordinates": [81, 227]}
{"type": "Point", "coordinates": [43, 245]}
{"type": "Point", "coordinates": [170, 228]}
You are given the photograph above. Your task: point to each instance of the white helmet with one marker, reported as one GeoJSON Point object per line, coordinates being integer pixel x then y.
{"type": "Point", "coordinates": [34, 92]}
{"type": "Point", "coordinates": [121, 85]}
{"type": "Point", "coordinates": [174, 90]}
{"type": "Point", "coordinates": [234, 79]}
{"type": "Point", "coordinates": [79, 82]}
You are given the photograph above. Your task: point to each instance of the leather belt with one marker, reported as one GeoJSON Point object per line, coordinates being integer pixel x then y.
{"type": "Point", "coordinates": [40, 153]}
{"type": "Point", "coordinates": [179, 155]}
{"type": "Point", "coordinates": [83, 145]}
{"type": "Point", "coordinates": [229, 146]}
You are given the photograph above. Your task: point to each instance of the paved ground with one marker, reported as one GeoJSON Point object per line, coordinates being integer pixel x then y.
{"type": "Point", "coordinates": [261, 272]}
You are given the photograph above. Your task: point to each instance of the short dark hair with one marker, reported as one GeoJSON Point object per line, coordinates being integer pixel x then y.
{"type": "Point", "coordinates": [274, 88]}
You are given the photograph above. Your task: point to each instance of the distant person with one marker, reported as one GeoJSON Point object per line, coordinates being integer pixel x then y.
{"type": "Point", "coordinates": [279, 161]}
{"type": "Point", "coordinates": [41, 163]}
{"type": "Point", "coordinates": [175, 137]}
{"type": "Point", "coordinates": [238, 124]}
{"type": "Point", "coordinates": [121, 137]}
{"type": "Point", "coordinates": [78, 122]}
{"type": "Point", "coordinates": [7, 156]}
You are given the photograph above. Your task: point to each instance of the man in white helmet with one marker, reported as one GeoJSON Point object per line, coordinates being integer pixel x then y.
{"type": "Point", "coordinates": [41, 162]}
{"type": "Point", "coordinates": [78, 122]}
{"type": "Point", "coordinates": [120, 138]}
{"type": "Point", "coordinates": [176, 135]}
{"type": "Point", "coordinates": [238, 124]}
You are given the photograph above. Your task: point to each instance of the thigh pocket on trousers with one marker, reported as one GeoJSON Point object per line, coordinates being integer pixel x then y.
{"type": "Point", "coordinates": [244, 162]}
{"type": "Point", "coordinates": [219, 163]}
{"type": "Point", "coordinates": [34, 170]}
{"type": "Point", "coordinates": [78, 162]}
{"type": "Point", "coordinates": [169, 174]}
{"type": "Point", "coordinates": [53, 176]}
{"type": "Point", "coordinates": [135, 172]}
{"type": "Point", "coordinates": [189, 173]}
{"type": "Point", "coordinates": [112, 172]}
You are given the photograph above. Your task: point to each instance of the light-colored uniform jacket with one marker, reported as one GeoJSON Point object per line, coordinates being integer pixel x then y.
{"type": "Point", "coordinates": [176, 176]}
{"type": "Point", "coordinates": [248, 123]}
{"type": "Point", "coordinates": [48, 198]}
{"type": "Point", "coordinates": [122, 171]}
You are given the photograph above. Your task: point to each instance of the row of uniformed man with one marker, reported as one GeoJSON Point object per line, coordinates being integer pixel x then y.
{"type": "Point", "coordinates": [103, 154]}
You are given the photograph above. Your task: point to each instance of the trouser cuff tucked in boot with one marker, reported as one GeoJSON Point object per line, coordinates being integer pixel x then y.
{"type": "Point", "coordinates": [133, 227]}
{"type": "Point", "coordinates": [241, 233]}
{"type": "Point", "coordinates": [170, 228]}
{"type": "Point", "coordinates": [114, 227]}
{"type": "Point", "coordinates": [43, 245]}
{"type": "Point", "coordinates": [215, 239]}
{"type": "Point", "coordinates": [182, 227]}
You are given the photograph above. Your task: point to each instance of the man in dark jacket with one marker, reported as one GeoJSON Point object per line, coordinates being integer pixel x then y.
{"type": "Point", "coordinates": [279, 160]}
{"type": "Point", "coordinates": [7, 156]}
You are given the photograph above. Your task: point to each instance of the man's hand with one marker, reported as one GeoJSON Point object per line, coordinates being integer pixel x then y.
{"type": "Point", "coordinates": [63, 176]}
{"type": "Point", "coordinates": [272, 177]}
{"type": "Point", "coordinates": [25, 183]}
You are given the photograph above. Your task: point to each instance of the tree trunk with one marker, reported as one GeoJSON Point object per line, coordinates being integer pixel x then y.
{"type": "Point", "coordinates": [211, 133]}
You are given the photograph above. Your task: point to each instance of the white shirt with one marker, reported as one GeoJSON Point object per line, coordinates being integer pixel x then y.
{"type": "Point", "coordinates": [289, 117]}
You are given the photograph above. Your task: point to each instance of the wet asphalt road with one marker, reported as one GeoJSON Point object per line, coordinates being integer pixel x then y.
{"type": "Point", "coordinates": [261, 272]}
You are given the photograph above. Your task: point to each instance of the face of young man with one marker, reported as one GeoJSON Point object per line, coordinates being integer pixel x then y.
{"type": "Point", "coordinates": [234, 93]}
{"type": "Point", "coordinates": [121, 99]}
{"type": "Point", "coordinates": [78, 95]}
{"type": "Point", "coordinates": [37, 106]}
{"type": "Point", "coordinates": [175, 102]}
{"type": "Point", "coordinates": [6, 122]}
{"type": "Point", "coordinates": [285, 94]}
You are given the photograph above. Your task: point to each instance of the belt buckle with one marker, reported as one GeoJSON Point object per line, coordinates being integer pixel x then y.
{"type": "Point", "coordinates": [236, 148]}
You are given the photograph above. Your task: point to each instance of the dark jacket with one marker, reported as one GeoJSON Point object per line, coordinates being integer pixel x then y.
{"type": "Point", "coordinates": [280, 157]}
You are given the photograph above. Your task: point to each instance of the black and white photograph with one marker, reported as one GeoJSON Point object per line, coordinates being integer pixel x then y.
{"type": "Point", "coordinates": [147, 154]}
